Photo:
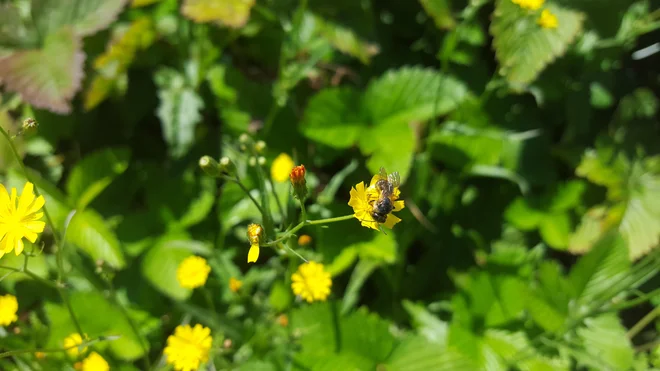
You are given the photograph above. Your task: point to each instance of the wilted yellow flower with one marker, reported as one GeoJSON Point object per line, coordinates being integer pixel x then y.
{"type": "Point", "coordinates": [8, 309]}
{"type": "Point", "coordinates": [254, 232]}
{"type": "Point", "coordinates": [363, 199]}
{"type": "Point", "coordinates": [94, 362]}
{"type": "Point", "coordinates": [19, 218]}
{"type": "Point", "coordinates": [192, 272]}
{"type": "Point", "coordinates": [71, 343]}
{"type": "Point", "coordinates": [188, 347]}
{"type": "Point", "coordinates": [281, 168]}
{"type": "Point", "coordinates": [529, 4]}
{"type": "Point", "coordinates": [304, 240]}
{"type": "Point", "coordinates": [235, 284]}
{"type": "Point", "coordinates": [311, 282]}
{"type": "Point", "coordinates": [547, 19]}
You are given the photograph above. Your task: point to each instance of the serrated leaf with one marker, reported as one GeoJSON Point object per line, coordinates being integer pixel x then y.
{"type": "Point", "coordinates": [544, 314]}
{"type": "Point", "coordinates": [522, 215]}
{"type": "Point", "coordinates": [555, 228]}
{"type": "Point", "coordinates": [162, 260]}
{"type": "Point", "coordinates": [232, 13]}
{"type": "Point", "coordinates": [427, 324]}
{"type": "Point", "coordinates": [523, 48]}
{"type": "Point", "coordinates": [178, 110]}
{"type": "Point", "coordinates": [13, 30]}
{"type": "Point", "coordinates": [94, 173]}
{"type": "Point", "coordinates": [88, 231]}
{"type": "Point", "coordinates": [604, 338]}
{"type": "Point", "coordinates": [568, 195]}
{"type": "Point", "coordinates": [46, 85]}
{"type": "Point", "coordinates": [84, 16]}
{"type": "Point", "coordinates": [332, 117]}
{"type": "Point", "coordinates": [415, 353]}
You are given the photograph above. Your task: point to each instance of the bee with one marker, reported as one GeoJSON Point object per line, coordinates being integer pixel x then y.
{"type": "Point", "coordinates": [385, 186]}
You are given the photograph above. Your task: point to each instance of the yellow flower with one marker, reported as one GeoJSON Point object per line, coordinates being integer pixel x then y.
{"type": "Point", "coordinates": [19, 218]}
{"type": "Point", "coordinates": [188, 347]}
{"type": "Point", "coordinates": [94, 362]}
{"type": "Point", "coordinates": [281, 168]}
{"type": "Point", "coordinates": [8, 309]}
{"type": "Point", "coordinates": [192, 272]}
{"type": "Point", "coordinates": [547, 19]}
{"type": "Point", "coordinates": [254, 232]}
{"type": "Point", "coordinates": [71, 343]}
{"type": "Point", "coordinates": [304, 240]}
{"type": "Point", "coordinates": [40, 355]}
{"type": "Point", "coordinates": [362, 201]}
{"type": "Point", "coordinates": [311, 282]}
{"type": "Point", "coordinates": [529, 4]}
{"type": "Point", "coordinates": [234, 284]}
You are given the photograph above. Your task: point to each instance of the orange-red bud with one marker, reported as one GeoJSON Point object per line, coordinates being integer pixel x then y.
{"type": "Point", "coordinates": [298, 181]}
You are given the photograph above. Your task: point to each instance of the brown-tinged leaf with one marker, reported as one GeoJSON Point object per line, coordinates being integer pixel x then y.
{"type": "Point", "coordinates": [232, 13]}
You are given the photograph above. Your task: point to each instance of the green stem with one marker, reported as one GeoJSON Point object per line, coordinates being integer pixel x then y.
{"type": "Point", "coordinates": [132, 325]}
{"type": "Point", "coordinates": [277, 200]}
{"type": "Point", "coordinates": [634, 302]}
{"type": "Point", "coordinates": [58, 242]}
{"type": "Point", "coordinates": [56, 350]}
{"type": "Point", "coordinates": [639, 326]}
{"type": "Point", "coordinates": [303, 210]}
{"type": "Point", "coordinates": [237, 180]}
{"type": "Point", "coordinates": [267, 215]}
{"type": "Point", "coordinates": [32, 275]}
{"type": "Point", "coordinates": [304, 223]}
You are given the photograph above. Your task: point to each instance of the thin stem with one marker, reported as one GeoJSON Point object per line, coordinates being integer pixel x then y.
{"type": "Point", "coordinates": [57, 350]}
{"type": "Point", "coordinates": [132, 325]}
{"type": "Point", "coordinates": [303, 210]}
{"type": "Point", "coordinates": [237, 180]}
{"type": "Point", "coordinates": [633, 302]}
{"type": "Point", "coordinates": [295, 229]}
{"type": "Point", "coordinates": [648, 346]}
{"type": "Point", "coordinates": [31, 275]}
{"type": "Point", "coordinates": [277, 200]}
{"type": "Point", "coordinates": [282, 245]}
{"type": "Point", "coordinates": [639, 326]}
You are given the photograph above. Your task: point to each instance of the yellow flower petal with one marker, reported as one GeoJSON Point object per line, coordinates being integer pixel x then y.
{"type": "Point", "coordinates": [281, 168]}
{"type": "Point", "coordinates": [192, 272]}
{"type": "Point", "coordinates": [362, 200]}
{"type": "Point", "coordinates": [311, 282]}
{"type": "Point", "coordinates": [188, 347]}
{"type": "Point", "coordinates": [253, 253]}
{"type": "Point", "coordinates": [19, 218]}
{"type": "Point", "coordinates": [8, 309]}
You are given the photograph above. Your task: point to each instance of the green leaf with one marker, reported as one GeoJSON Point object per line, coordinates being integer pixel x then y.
{"type": "Point", "coordinates": [84, 16]}
{"type": "Point", "coordinates": [94, 173]}
{"type": "Point", "coordinates": [427, 324]}
{"type": "Point", "coordinates": [440, 11]}
{"type": "Point", "coordinates": [366, 334]}
{"type": "Point", "coordinates": [97, 317]}
{"type": "Point", "coordinates": [14, 31]}
{"type": "Point", "coordinates": [604, 338]}
{"type": "Point", "coordinates": [362, 271]}
{"type": "Point", "coordinates": [556, 229]}
{"type": "Point", "coordinates": [280, 297]}
{"type": "Point", "coordinates": [544, 314]}
{"type": "Point", "coordinates": [179, 110]}
{"type": "Point", "coordinates": [46, 85]}
{"type": "Point", "coordinates": [345, 40]}
{"type": "Point", "coordinates": [596, 274]}
{"type": "Point", "coordinates": [332, 117]}
{"type": "Point", "coordinates": [162, 260]}
{"type": "Point", "coordinates": [415, 353]}
{"type": "Point", "coordinates": [524, 48]}
{"type": "Point", "coordinates": [89, 232]}
{"type": "Point", "coordinates": [568, 195]}
{"type": "Point", "coordinates": [522, 215]}
{"type": "Point", "coordinates": [36, 264]}
{"type": "Point", "coordinates": [232, 13]}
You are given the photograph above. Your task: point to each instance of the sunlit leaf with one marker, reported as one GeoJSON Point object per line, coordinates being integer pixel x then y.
{"type": "Point", "coordinates": [89, 232]}
{"type": "Point", "coordinates": [524, 48]}
{"type": "Point", "coordinates": [14, 32]}
{"type": "Point", "coordinates": [605, 340]}
{"type": "Point", "coordinates": [48, 85]}
{"type": "Point", "coordinates": [332, 117]}
{"type": "Point", "coordinates": [415, 353]}
{"type": "Point", "coordinates": [555, 228]}
{"type": "Point", "coordinates": [346, 41]}
{"type": "Point", "coordinates": [440, 11]}
{"type": "Point", "coordinates": [427, 324]}
{"type": "Point", "coordinates": [232, 13]}
{"type": "Point", "coordinates": [84, 16]}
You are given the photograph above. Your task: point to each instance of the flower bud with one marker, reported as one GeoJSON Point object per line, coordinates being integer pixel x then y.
{"type": "Point", "coordinates": [298, 182]}
{"type": "Point", "coordinates": [304, 240]}
{"type": "Point", "coordinates": [255, 233]}
{"type": "Point", "coordinates": [260, 146]}
{"type": "Point", "coordinates": [252, 161]}
{"type": "Point", "coordinates": [210, 166]}
{"type": "Point", "coordinates": [227, 165]}
{"type": "Point", "coordinates": [261, 160]}
{"type": "Point", "coordinates": [244, 138]}
{"type": "Point", "coordinates": [29, 126]}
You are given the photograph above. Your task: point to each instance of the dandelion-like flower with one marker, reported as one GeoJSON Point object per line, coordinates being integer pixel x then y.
{"type": "Point", "coordinates": [281, 168]}
{"type": "Point", "coordinates": [71, 344]}
{"type": "Point", "coordinates": [235, 284]}
{"type": "Point", "coordinates": [311, 282]}
{"type": "Point", "coordinates": [19, 218]}
{"type": "Point", "coordinates": [364, 198]}
{"type": "Point", "coordinates": [547, 19]}
{"type": "Point", "coordinates": [94, 362]}
{"type": "Point", "coordinates": [254, 232]}
{"type": "Point", "coordinates": [192, 272]}
{"type": "Point", "coordinates": [188, 347]}
{"type": "Point", "coordinates": [529, 4]}
{"type": "Point", "coordinates": [8, 309]}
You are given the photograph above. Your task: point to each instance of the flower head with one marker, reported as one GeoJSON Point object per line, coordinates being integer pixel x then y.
{"type": "Point", "coordinates": [304, 240]}
{"type": "Point", "coordinates": [235, 284]}
{"type": "Point", "coordinates": [547, 19]}
{"type": "Point", "coordinates": [529, 4]}
{"type": "Point", "coordinates": [311, 282]}
{"type": "Point", "coordinates": [255, 233]}
{"type": "Point", "coordinates": [8, 309]}
{"type": "Point", "coordinates": [188, 347]}
{"type": "Point", "coordinates": [192, 272]}
{"type": "Point", "coordinates": [19, 218]}
{"type": "Point", "coordinates": [94, 362]}
{"type": "Point", "coordinates": [71, 343]}
{"type": "Point", "coordinates": [298, 182]}
{"type": "Point", "coordinates": [363, 199]}
{"type": "Point", "coordinates": [281, 168]}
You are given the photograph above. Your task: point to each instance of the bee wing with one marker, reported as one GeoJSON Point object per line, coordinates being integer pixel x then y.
{"type": "Point", "coordinates": [383, 173]}
{"type": "Point", "coordinates": [394, 179]}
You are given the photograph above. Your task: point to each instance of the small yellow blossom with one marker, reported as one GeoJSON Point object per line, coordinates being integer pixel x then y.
{"type": "Point", "coordinates": [188, 347]}
{"type": "Point", "coordinates": [529, 4]}
{"type": "Point", "coordinates": [254, 232]}
{"type": "Point", "coordinates": [192, 272]}
{"type": "Point", "coordinates": [281, 168]}
{"type": "Point", "coordinates": [547, 19]}
{"type": "Point", "coordinates": [304, 240]}
{"type": "Point", "coordinates": [362, 201]}
{"type": "Point", "coordinates": [19, 218]}
{"type": "Point", "coordinates": [8, 309]}
{"type": "Point", "coordinates": [311, 282]}
{"type": "Point", "coordinates": [71, 343]}
{"type": "Point", "coordinates": [94, 362]}
{"type": "Point", "coordinates": [235, 284]}
{"type": "Point", "coordinates": [40, 355]}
